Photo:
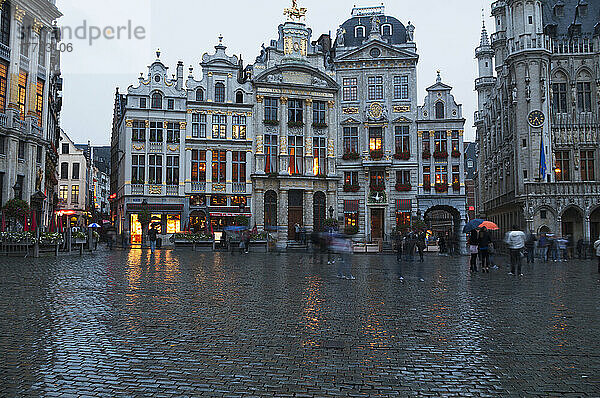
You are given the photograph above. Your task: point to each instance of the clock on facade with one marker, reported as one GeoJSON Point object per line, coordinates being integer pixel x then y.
{"type": "Point", "coordinates": [536, 119]}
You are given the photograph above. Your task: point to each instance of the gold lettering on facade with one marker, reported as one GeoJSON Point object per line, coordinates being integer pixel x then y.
{"type": "Point", "coordinates": [350, 111]}
{"type": "Point", "coordinates": [401, 108]}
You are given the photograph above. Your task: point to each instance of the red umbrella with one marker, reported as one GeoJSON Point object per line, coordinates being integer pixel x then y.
{"type": "Point", "coordinates": [33, 222]}
{"type": "Point", "coordinates": [489, 225]}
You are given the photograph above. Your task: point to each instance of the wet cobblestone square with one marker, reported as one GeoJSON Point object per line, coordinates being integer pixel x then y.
{"type": "Point", "coordinates": [126, 323]}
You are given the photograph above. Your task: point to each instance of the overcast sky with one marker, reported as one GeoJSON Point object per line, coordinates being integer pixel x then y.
{"type": "Point", "coordinates": [447, 32]}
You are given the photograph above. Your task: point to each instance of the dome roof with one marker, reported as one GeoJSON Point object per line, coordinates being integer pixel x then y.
{"type": "Point", "coordinates": [398, 35]}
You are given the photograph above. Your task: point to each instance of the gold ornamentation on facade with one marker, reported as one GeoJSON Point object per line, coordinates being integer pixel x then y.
{"type": "Point", "coordinates": [288, 45]}
{"type": "Point", "coordinates": [331, 104]}
{"type": "Point", "coordinates": [376, 110]}
{"type": "Point", "coordinates": [308, 101]}
{"type": "Point", "coordinates": [283, 100]}
{"type": "Point", "coordinates": [259, 145]}
{"type": "Point", "coordinates": [19, 13]}
{"type": "Point", "coordinates": [308, 146]}
{"type": "Point", "coordinates": [209, 74]}
{"type": "Point", "coordinates": [138, 147]}
{"type": "Point", "coordinates": [401, 108]}
{"type": "Point", "coordinates": [295, 12]}
{"type": "Point", "coordinates": [165, 124]}
{"type": "Point", "coordinates": [219, 187]}
{"type": "Point", "coordinates": [147, 123]}
{"type": "Point", "coordinates": [154, 189]}
{"type": "Point", "coordinates": [350, 111]}
{"type": "Point", "coordinates": [229, 75]}
{"type": "Point", "coordinates": [283, 149]}
{"type": "Point", "coordinates": [173, 148]}
{"type": "Point", "coordinates": [331, 148]}
{"type": "Point", "coordinates": [182, 125]}
{"type": "Point", "coordinates": [37, 26]}
{"type": "Point", "coordinates": [303, 47]}
{"type": "Point", "coordinates": [128, 123]}
{"type": "Point", "coordinates": [260, 98]}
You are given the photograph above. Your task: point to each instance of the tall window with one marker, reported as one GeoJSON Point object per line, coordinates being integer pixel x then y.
{"type": "Point", "coordinates": [198, 125]}
{"type": "Point", "coordinates": [39, 154]}
{"type": "Point", "coordinates": [351, 177]}
{"type": "Point", "coordinates": [75, 194]}
{"type": "Point", "coordinates": [5, 24]}
{"type": "Point", "coordinates": [296, 152]}
{"type": "Point", "coordinates": [402, 139]}
{"type": "Point", "coordinates": [172, 170]}
{"type": "Point", "coordinates": [562, 169]}
{"type": "Point", "coordinates": [400, 87]}
{"type": "Point", "coordinates": [441, 175]}
{"type": "Point", "coordinates": [138, 131]}
{"type": "Point", "coordinates": [198, 165]}
{"type": "Point", "coordinates": [375, 88]}
{"type": "Point", "coordinates": [173, 132]}
{"type": "Point", "coordinates": [143, 103]}
{"type": "Point", "coordinates": [239, 97]}
{"type": "Point", "coordinates": [219, 92]}
{"type": "Point", "coordinates": [350, 139]}
{"type": "Point", "coordinates": [455, 174]}
{"type": "Point", "coordinates": [238, 123]}
{"type": "Point", "coordinates": [64, 171]}
{"type": "Point", "coordinates": [386, 30]}
{"type": "Point", "coordinates": [22, 94]}
{"type": "Point", "coordinates": [377, 177]}
{"type": "Point", "coordinates": [426, 142]}
{"type": "Point", "coordinates": [170, 104]}
{"type": "Point", "coordinates": [295, 111]}
{"type": "Point", "coordinates": [138, 169]}
{"type": "Point", "coordinates": [403, 177]}
{"type": "Point", "coordinates": [219, 166]}
{"type": "Point", "coordinates": [199, 95]}
{"type": "Point", "coordinates": [319, 112]}
{"type": "Point", "coordinates": [359, 31]}
{"type": "Point", "coordinates": [560, 97]}
{"type": "Point", "coordinates": [25, 34]}
{"type": "Point", "coordinates": [426, 176]}
{"type": "Point", "coordinates": [455, 142]}
{"type": "Point", "coordinates": [350, 89]}
{"type": "Point", "coordinates": [239, 166]}
{"type": "Point", "coordinates": [439, 110]}
{"type": "Point", "coordinates": [270, 153]}
{"type": "Point", "coordinates": [375, 139]}
{"type": "Point", "coordinates": [157, 99]}
{"type": "Point", "coordinates": [441, 141]}
{"type": "Point", "coordinates": [3, 80]}
{"type": "Point", "coordinates": [21, 151]}
{"type": "Point", "coordinates": [156, 131]}
{"type": "Point", "coordinates": [271, 208]}
{"type": "Point", "coordinates": [219, 126]}
{"type": "Point", "coordinates": [64, 193]}
{"type": "Point", "coordinates": [2, 145]}
{"type": "Point", "coordinates": [75, 175]}
{"type": "Point", "coordinates": [155, 169]}
{"type": "Point", "coordinates": [271, 109]}
{"type": "Point", "coordinates": [39, 101]}
{"type": "Point", "coordinates": [587, 166]}
{"type": "Point", "coordinates": [584, 96]}
{"type": "Point", "coordinates": [319, 156]}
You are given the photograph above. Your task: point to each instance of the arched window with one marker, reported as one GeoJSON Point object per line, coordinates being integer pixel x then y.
{"type": "Point", "coordinates": [239, 97]}
{"type": "Point", "coordinates": [359, 31]}
{"type": "Point", "coordinates": [270, 209]}
{"type": "Point", "coordinates": [199, 95]}
{"type": "Point", "coordinates": [319, 212]}
{"type": "Point", "coordinates": [584, 92]}
{"type": "Point", "coordinates": [559, 92]}
{"type": "Point", "coordinates": [439, 110]}
{"type": "Point", "coordinates": [157, 100]}
{"type": "Point", "coordinates": [386, 30]}
{"type": "Point", "coordinates": [219, 92]}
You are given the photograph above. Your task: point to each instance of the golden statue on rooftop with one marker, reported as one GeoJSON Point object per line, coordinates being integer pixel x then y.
{"type": "Point", "coordinates": [295, 13]}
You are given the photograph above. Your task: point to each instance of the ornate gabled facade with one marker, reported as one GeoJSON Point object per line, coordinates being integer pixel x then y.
{"type": "Point", "coordinates": [148, 150]}
{"type": "Point", "coordinates": [294, 178]}
{"type": "Point", "coordinates": [218, 142]}
{"type": "Point", "coordinates": [375, 60]}
{"type": "Point", "coordinates": [537, 124]}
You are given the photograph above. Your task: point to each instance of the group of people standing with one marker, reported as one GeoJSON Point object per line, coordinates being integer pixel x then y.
{"type": "Point", "coordinates": [409, 242]}
{"type": "Point", "coordinates": [480, 245]}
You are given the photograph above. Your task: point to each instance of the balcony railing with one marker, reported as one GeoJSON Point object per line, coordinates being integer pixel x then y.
{"type": "Point", "coordinates": [198, 187]}
{"type": "Point", "coordinates": [172, 190]}
{"type": "Point", "coordinates": [484, 81]}
{"type": "Point", "coordinates": [498, 36]}
{"type": "Point", "coordinates": [156, 146]}
{"type": "Point", "coordinates": [137, 189]}
{"type": "Point", "coordinates": [529, 42]}
{"type": "Point", "coordinates": [498, 6]}
{"type": "Point", "coordinates": [42, 72]}
{"type": "Point", "coordinates": [4, 52]}
{"type": "Point", "coordinates": [3, 119]}
{"type": "Point", "coordinates": [24, 63]}
{"type": "Point", "coordinates": [563, 188]}
{"type": "Point", "coordinates": [239, 187]}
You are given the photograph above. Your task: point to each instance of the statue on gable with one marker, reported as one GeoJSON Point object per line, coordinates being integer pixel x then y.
{"type": "Point", "coordinates": [262, 58]}
{"type": "Point", "coordinates": [410, 32]}
{"type": "Point", "coordinates": [375, 24]}
{"type": "Point", "coordinates": [340, 37]}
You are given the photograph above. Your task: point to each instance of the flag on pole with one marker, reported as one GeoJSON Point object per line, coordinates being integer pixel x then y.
{"type": "Point", "coordinates": [542, 160]}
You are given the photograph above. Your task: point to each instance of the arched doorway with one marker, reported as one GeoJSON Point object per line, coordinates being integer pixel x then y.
{"type": "Point", "coordinates": [295, 211]}
{"type": "Point", "coordinates": [595, 224]}
{"type": "Point", "coordinates": [572, 223]}
{"type": "Point", "coordinates": [270, 209]}
{"type": "Point", "coordinates": [197, 221]}
{"type": "Point", "coordinates": [442, 219]}
{"type": "Point", "coordinates": [544, 230]}
{"type": "Point", "coordinates": [319, 211]}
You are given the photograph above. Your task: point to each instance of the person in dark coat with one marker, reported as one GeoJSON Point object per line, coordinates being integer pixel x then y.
{"type": "Point", "coordinates": [473, 244]}
{"type": "Point", "coordinates": [483, 247]}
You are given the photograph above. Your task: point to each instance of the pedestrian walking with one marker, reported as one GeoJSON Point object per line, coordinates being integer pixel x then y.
{"type": "Point", "coordinates": [421, 245]}
{"type": "Point", "coordinates": [110, 237]}
{"type": "Point", "coordinates": [543, 244]}
{"type": "Point", "coordinates": [343, 247]}
{"type": "Point", "coordinates": [530, 247]}
{"type": "Point", "coordinates": [152, 236]}
{"type": "Point", "coordinates": [473, 246]}
{"type": "Point", "coordinates": [483, 247]}
{"type": "Point", "coordinates": [442, 245]}
{"type": "Point", "coordinates": [561, 244]}
{"type": "Point", "coordinates": [515, 240]}
{"type": "Point", "coordinates": [597, 248]}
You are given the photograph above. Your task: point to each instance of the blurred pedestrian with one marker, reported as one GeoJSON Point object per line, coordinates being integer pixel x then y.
{"type": "Point", "coordinates": [530, 247]}
{"type": "Point", "coordinates": [343, 247]}
{"type": "Point", "coordinates": [561, 244]}
{"type": "Point", "coordinates": [515, 240]}
{"type": "Point", "coordinates": [152, 236]}
{"type": "Point", "coordinates": [597, 248]}
{"type": "Point", "coordinates": [421, 245]}
{"type": "Point", "coordinates": [111, 235]}
{"type": "Point", "coordinates": [442, 245]}
{"type": "Point", "coordinates": [473, 246]}
{"type": "Point", "coordinates": [483, 247]}
{"type": "Point", "coordinates": [543, 244]}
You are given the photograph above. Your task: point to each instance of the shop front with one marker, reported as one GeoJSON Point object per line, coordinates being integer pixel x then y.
{"type": "Point", "coordinates": [212, 213]}
{"type": "Point", "coordinates": [166, 219]}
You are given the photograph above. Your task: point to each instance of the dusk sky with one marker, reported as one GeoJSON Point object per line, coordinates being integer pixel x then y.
{"type": "Point", "coordinates": [447, 32]}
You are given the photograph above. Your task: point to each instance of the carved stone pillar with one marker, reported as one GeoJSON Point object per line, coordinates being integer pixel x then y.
{"type": "Point", "coordinates": [282, 209]}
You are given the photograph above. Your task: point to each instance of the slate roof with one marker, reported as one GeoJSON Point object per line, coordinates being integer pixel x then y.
{"type": "Point", "coordinates": [398, 30]}
{"type": "Point", "coordinates": [571, 20]}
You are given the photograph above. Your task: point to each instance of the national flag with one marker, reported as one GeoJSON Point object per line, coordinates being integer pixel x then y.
{"type": "Point", "coordinates": [542, 160]}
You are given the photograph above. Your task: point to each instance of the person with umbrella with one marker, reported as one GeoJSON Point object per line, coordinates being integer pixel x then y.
{"type": "Point", "coordinates": [483, 247]}
{"type": "Point", "coordinates": [152, 236]}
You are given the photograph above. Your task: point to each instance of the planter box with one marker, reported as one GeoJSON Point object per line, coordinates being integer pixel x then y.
{"type": "Point", "coordinates": [258, 246]}
{"type": "Point", "coordinates": [372, 247]}
{"type": "Point", "coordinates": [359, 248]}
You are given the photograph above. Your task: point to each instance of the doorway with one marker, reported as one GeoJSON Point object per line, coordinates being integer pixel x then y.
{"type": "Point", "coordinates": [295, 212]}
{"type": "Point", "coordinates": [377, 226]}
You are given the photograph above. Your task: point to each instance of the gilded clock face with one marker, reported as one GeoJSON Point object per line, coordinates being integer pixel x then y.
{"type": "Point", "coordinates": [536, 119]}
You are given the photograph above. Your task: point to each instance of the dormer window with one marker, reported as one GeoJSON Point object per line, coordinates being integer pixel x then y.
{"type": "Point", "coordinates": [239, 97]}
{"type": "Point", "coordinates": [439, 110]}
{"type": "Point", "coordinates": [582, 10]}
{"type": "Point", "coordinates": [359, 31]}
{"type": "Point", "coordinates": [157, 101]}
{"type": "Point", "coordinates": [199, 95]}
{"type": "Point", "coordinates": [219, 92]}
{"type": "Point", "coordinates": [386, 30]}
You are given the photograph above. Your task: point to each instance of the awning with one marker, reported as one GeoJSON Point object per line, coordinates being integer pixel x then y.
{"type": "Point", "coordinates": [351, 206]}
{"type": "Point", "coordinates": [403, 204]}
{"type": "Point", "coordinates": [230, 214]}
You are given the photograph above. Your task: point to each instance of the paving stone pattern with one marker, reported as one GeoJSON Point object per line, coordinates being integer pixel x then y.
{"type": "Point", "coordinates": [183, 324]}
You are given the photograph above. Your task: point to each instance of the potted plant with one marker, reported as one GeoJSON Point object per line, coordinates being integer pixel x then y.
{"type": "Point", "coordinates": [271, 122]}
{"type": "Point", "coordinates": [403, 187]}
{"type": "Point", "coordinates": [351, 187]}
{"type": "Point", "coordinates": [440, 187]}
{"type": "Point", "coordinates": [426, 154]}
{"type": "Point", "coordinates": [79, 237]}
{"type": "Point", "coordinates": [351, 156]}
{"type": "Point", "coordinates": [351, 230]}
{"type": "Point", "coordinates": [455, 153]}
{"type": "Point", "coordinates": [319, 125]}
{"type": "Point", "coordinates": [242, 220]}
{"type": "Point", "coordinates": [376, 154]}
{"type": "Point", "coordinates": [330, 223]}
{"type": "Point", "coordinates": [440, 155]}
{"type": "Point", "coordinates": [378, 187]}
{"type": "Point", "coordinates": [402, 155]}
{"type": "Point", "coordinates": [293, 124]}
{"type": "Point", "coordinates": [456, 186]}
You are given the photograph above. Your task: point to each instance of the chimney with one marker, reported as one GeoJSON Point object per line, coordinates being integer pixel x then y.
{"type": "Point", "coordinates": [179, 75]}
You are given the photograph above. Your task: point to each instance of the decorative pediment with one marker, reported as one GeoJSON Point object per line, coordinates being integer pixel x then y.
{"type": "Point", "coordinates": [349, 121]}
{"type": "Point", "coordinates": [295, 75]}
{"type": "Point", "coordinates": [385, 51]}
{"type": "Point", "coordinates": [402, 119]}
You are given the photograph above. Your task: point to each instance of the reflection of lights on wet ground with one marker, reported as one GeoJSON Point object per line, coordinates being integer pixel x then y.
{"type": "Point", "coordinates": [312, 312]}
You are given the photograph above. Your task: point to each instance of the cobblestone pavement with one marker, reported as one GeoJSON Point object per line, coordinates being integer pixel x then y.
{"type": "Point", "coordinates": [125, 323]}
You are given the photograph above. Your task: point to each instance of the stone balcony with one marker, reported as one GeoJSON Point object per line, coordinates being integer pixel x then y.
{"type": "Point", "coordinates": [484, 81]}
{"type": "Point", "coordinates": [529, 42]}
{"type": "Point", "coordinates": [498, 7]}
{"type": "Point", "coordinates": [563, 188]}
{"type": "Point", "coordinates": [498, 37]}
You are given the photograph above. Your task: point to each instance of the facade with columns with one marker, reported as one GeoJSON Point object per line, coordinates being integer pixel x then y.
{"type": "Point", "coordinates": [537, 123]}
{"type": "Point", "coordinates": [30, 103]}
